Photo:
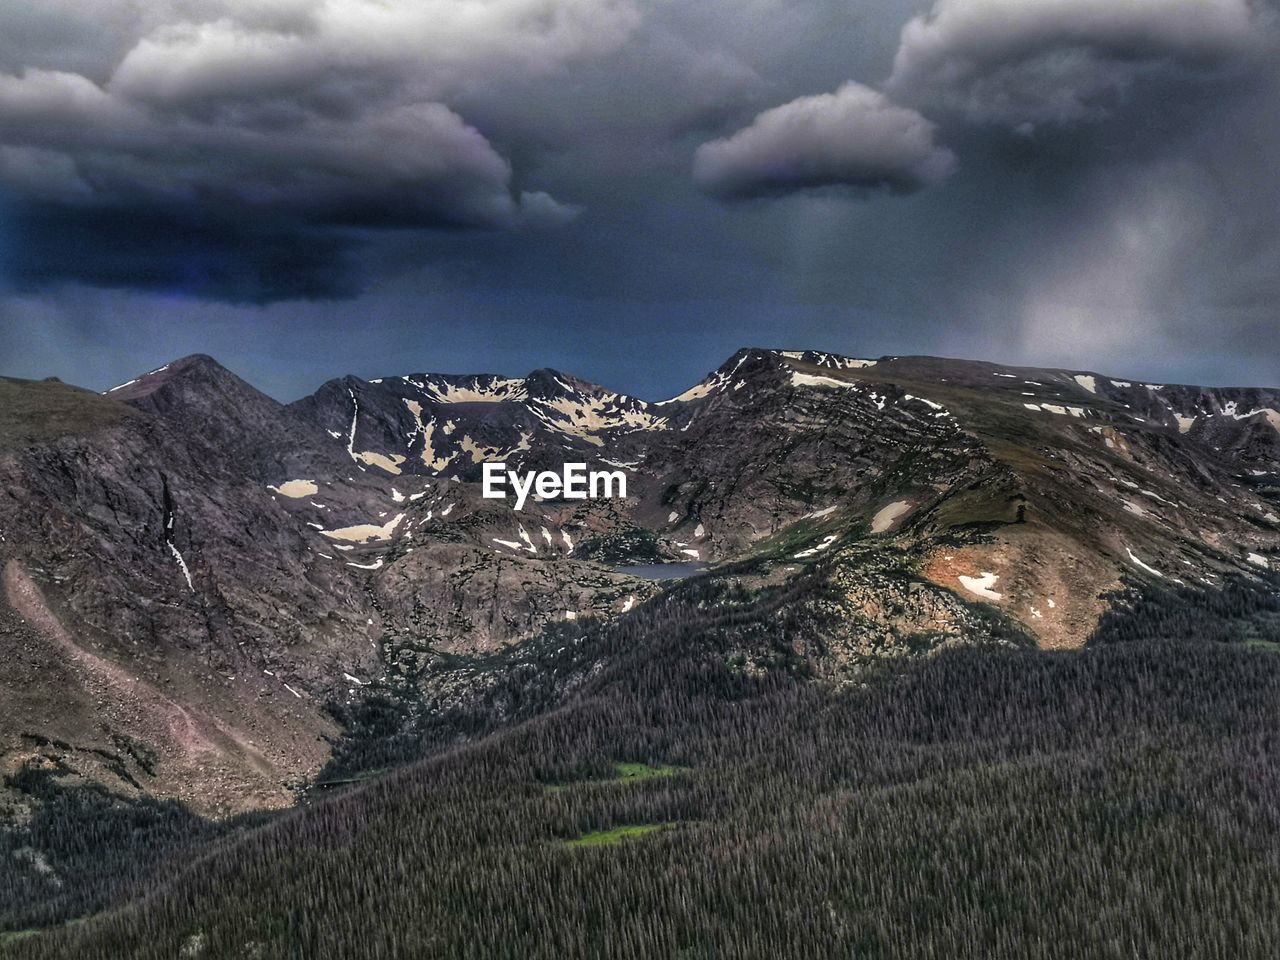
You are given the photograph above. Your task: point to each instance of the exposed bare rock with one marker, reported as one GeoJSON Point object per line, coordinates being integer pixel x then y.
{"type": "Point", "coordinates": [196, 574]}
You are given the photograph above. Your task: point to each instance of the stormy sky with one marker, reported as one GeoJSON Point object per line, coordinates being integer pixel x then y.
{"type": "Point", "coordinates": [632, 189]}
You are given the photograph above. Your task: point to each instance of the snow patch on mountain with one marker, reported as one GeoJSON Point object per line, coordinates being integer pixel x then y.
{"type": "Point", "coordinates": [886, 516]}
{"type": "Point", "coordinates": [832, 360]}
{"type": "Point", "coordinates": [296, 489]}
{"type": "Point", "coordinates": [809, 380]}
{"type": "Point", "coordinates": [426, 429]}
{"type": "Point", "coordinates": [388, 462]}
{"type": "Point", "coordinates": [355, 415]}
{"type": "Point", "coordinates": [717, 381]}
{"type": "Point", "coordinates": [364, 532]}
{"type": "Point", "coordinates": [585, 416]}
{"type": "Point", "coordinates": [696, 392]}
{"type": "Point", "coordinates": [827, 541]}
{"type": "Point", "coordinates": [477, 452]}
{"type": "Point", "coordinates": [1272, 416]}
{"type": "Point", "coordinates": [928, 403]}
{"type": "Point", "coordinates": [1059, 409]}
{"type": "Point", "coordinates": [182, 565]}
{"type": "Point", "coordinates": [474, 390]}
{"type": "Point", "coordinates": [981, 586]}
{"type": "Point", "coordinates": [1137, 561]}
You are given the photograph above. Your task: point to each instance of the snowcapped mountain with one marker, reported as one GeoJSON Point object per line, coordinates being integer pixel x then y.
{"type": "Point", "coordinates": [203, 573]}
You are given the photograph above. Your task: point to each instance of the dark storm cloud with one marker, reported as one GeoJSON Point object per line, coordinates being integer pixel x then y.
{"type": "Point", "coordinates": [1164, 242]}
{"type": "Point", "coordinates": [1148, 122]}
{"type": "Point", "coordinates": [1112, 203]}
{"type": "Point", "coordinates": [178, 250]}
{"type": "Point", "coordinates": [415, 164]}
{"type": "Point", "coordinates": [1014, 62]}
{"type": "Point", "coordinates": [854, 137]}
{"type": "Point", "coordinates": [1111, 200]}
{"type": "Point", "coordinates": [291, 117]}
{"type": "Point", "coordinates": [1020, 62]}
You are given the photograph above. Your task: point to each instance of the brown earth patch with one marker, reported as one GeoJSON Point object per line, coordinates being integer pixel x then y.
{"type": "Point", "coordinates": [215, 760]}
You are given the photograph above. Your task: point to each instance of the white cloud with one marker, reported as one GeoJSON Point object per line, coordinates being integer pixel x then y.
{"type": "Point", "coordinates": [854, 137]}
{"type": "Point", "coordinates": [433, 47]}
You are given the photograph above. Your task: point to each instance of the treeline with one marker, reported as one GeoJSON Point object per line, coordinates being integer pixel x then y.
{"type": "Point", "coordinates": [84, 849]}
{"type": "Point", "coordinates": [982, 803]}
{"type": "Point", "coordinates": [1239, 610]}
{"type": "Point", "coordinates": [719, 637]}
{"type": "Point", "coordinates": [87, 850]}
{"type": "Point", "coordinates": [986, 804]}
{"type": "Point", "coordinates": [704, 620]}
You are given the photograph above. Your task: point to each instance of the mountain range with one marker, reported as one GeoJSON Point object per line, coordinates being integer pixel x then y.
{"type": "Point", "coordinates": [280, 681]}
{"type": "Point", "coordinates": [198, 579]}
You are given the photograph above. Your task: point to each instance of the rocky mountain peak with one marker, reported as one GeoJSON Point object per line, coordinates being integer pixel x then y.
{"type": "Point", "coordinates": [192, 384]}
{"type": "Point", "coordinates": [547, 383]}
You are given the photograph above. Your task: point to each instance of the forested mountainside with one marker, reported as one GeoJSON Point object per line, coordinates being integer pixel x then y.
{"type": "Point", "coordinates": [217, 605]}
{"type": "Point", "coordinates": [691, 799]}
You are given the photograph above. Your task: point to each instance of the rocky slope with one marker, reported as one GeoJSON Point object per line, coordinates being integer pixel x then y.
{"type": "Point", "coordinates": [196, 576]}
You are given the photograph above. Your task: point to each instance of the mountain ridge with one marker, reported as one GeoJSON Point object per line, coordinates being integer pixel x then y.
{"type": "Point", "coordinates": [271, 566]}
